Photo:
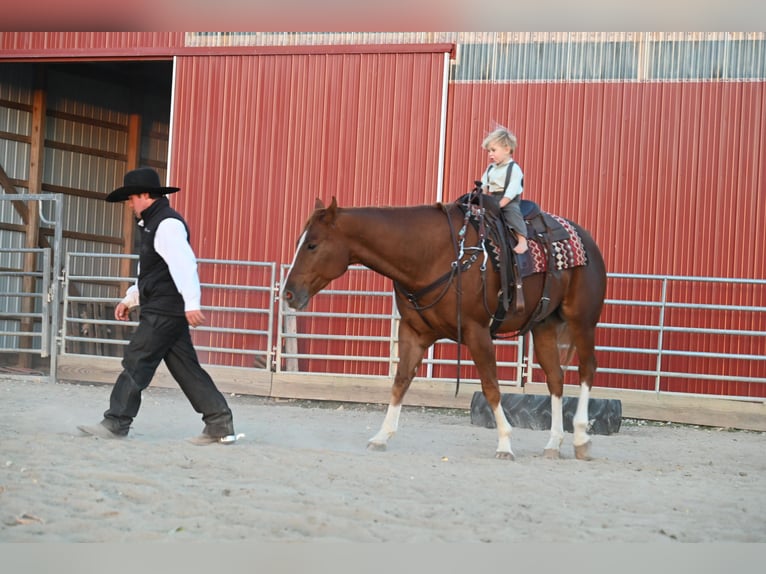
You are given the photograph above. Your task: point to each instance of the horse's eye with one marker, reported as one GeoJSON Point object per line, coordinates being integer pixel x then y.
{"type": "Point", "coordinates": [311, 246]}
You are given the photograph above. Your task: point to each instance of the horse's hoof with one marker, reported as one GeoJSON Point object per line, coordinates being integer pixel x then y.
{"type": "Point", "coordinates": [582, 451]}
{"type": "Point", "coordinates": [376, 446]}
{"type": "Point", "coordinates": [551, 453]}
{"type": "Point", "coordinates": [502, 455]}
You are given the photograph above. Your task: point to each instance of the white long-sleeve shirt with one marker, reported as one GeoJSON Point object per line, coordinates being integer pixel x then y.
{"type": "Point", "coordinates": [171, 243]}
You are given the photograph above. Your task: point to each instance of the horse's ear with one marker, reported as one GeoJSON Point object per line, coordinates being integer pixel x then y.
{"type": "Point", "coordinates": [318, 204]}
{"type": "Point", "coordinates": [331, 211]}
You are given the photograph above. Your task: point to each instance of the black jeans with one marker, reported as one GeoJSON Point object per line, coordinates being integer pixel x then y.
{"type": "Point", "coordinates": [157, 338]}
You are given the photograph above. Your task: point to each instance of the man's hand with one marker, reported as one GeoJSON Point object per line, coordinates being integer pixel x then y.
{"type": "Point", "coordinates": [195, 318]}
{"type": "Point", "coordinates": [122, 312]}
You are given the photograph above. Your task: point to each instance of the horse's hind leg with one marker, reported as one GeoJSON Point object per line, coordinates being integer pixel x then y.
{"type": "Point", "coordinates": [584, 340]}
{"type": "Point", "coordinates": [581, 310]}
{"type": "Point", "coordinates": [580, 423]}
{"type": "Point", "coordinates": [411, 351]}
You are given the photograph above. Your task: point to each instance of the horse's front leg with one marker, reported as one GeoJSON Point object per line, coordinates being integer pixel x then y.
{"type": "Point", "coordinates": [482, 349]}
{"type": "Point", "coordinates": [547, 352]}
{"type": "Point", "coordinates": [503, 431]}
{"type": "Point", "coordinates": [387, 429]}
{"type": "Point", "coordinates": [411, 351]}
{"type": "Point", "coordinates": [553, 448]}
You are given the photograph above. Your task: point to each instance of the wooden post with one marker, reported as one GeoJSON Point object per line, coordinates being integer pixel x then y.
{"type": "Point", "coordinates": [128, 220]}
{"type": "Point", "coordinates": [291, 344]}
{"type": "Point", "coordinates": [36, 158]}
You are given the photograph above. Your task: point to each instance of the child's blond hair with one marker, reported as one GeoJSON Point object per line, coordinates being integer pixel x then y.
{"type": "Point", "coordinates": [501, 135]}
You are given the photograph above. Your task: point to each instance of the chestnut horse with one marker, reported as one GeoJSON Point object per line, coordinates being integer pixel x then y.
{"type": "Point", "coordinates": [417, 247]}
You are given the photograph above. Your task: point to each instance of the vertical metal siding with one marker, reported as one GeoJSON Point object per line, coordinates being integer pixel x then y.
{"type": "Point", "coordinates": [85, 42]}
{"type": "Point", "coordinates": [668, 177]}
{"type": "Point", "coordinates": [258, 138]}
{"type": "Point", "coordinates": [642, 166]}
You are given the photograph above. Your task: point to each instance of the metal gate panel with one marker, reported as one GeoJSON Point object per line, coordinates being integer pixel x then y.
{"type": "Point", "coordinates": [25, 327]}
{"type": "Point", "coordinates": [237, 299]}
{"type": "Point", "coordinates": [31, 275]}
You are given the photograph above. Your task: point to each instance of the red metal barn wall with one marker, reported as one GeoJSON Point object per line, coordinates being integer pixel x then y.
{"type": "Point", "coordinates": [256, 139]}
{"type": "Point", "coordinates": [667, 175]}
{"type": "Point", "coordinates": [669, 179]}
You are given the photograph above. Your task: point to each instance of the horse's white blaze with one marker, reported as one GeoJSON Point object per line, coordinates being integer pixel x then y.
{"type": "Point", "coordinates": [503, 430]}
{"type": "Point", "coordinates": [580, 420]}
{"type": "Point", "coordinates": [389, 426]}
{"type": "Point", "coordinates": [298, 249]}
{"type": "Point", "coordinates": [557, 424]}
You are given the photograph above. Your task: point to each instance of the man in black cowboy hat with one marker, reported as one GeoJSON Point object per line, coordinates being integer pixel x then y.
{"type": "Point", "coordinates": [168, 292]}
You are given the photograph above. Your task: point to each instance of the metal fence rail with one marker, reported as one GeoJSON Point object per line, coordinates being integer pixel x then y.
{"type": "Point", "coordinates": [238, 312]}
{"type": "Point", "coordinates": [289, 358]}
{"type": "Point", "coordinates": [663, 351]}
{"type": "Point", "coordinates": [518, 354]}
{"type": "Point", "coordinates": [352, 332]}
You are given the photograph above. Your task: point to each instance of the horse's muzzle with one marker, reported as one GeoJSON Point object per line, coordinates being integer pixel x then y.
{"type": "Point", "coordinates": [295, 299]}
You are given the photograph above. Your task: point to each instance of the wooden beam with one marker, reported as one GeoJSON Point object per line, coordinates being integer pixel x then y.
{"type": "Point", "coordinates": [84, 150]}
{"type": "Point", "coordinates": [87, 120]}
{"type": "Point", "coordinates": [74, 192]}
{"type": "Point", "coordinates": [45, 232]}
{"type": "Point", "coordinates": [13, 227]}
{"type": "Point", "coordinates": [128, 221]}
{"type": "Point", "coordinates": [36, 158]}
{"type": "Point", "coordinates": [14, 105]}
{"type": "Point", "coordinates": [14, 137]}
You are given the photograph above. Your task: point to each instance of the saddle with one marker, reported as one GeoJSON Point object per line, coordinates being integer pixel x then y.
{"type": "Point", "coordinates": [542, 228]}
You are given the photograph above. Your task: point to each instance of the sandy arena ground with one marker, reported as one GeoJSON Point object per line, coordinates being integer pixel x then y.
{"type": "Point", "coordinates": [303, 473]}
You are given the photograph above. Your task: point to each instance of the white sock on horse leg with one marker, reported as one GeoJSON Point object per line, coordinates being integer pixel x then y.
{"type": "Point", "coordinates": [580, 421]}
{"type": "Point", "coordinates": [389, 426]}
{"type": "Point", "coordinates": [503, 430]}
{"type": "Point", "coordinates": [557, 424]}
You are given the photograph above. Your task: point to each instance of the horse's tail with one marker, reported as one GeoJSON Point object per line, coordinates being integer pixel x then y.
{"type": "Point", "coordinates": [565, 344]}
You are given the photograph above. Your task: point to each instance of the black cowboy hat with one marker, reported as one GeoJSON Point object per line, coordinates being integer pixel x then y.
{"type": "Point", "coordinates": [137, 181]}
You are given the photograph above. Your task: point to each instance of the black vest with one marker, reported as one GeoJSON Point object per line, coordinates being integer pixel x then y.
{"type": "Point", "coordinates": [157, 291]}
